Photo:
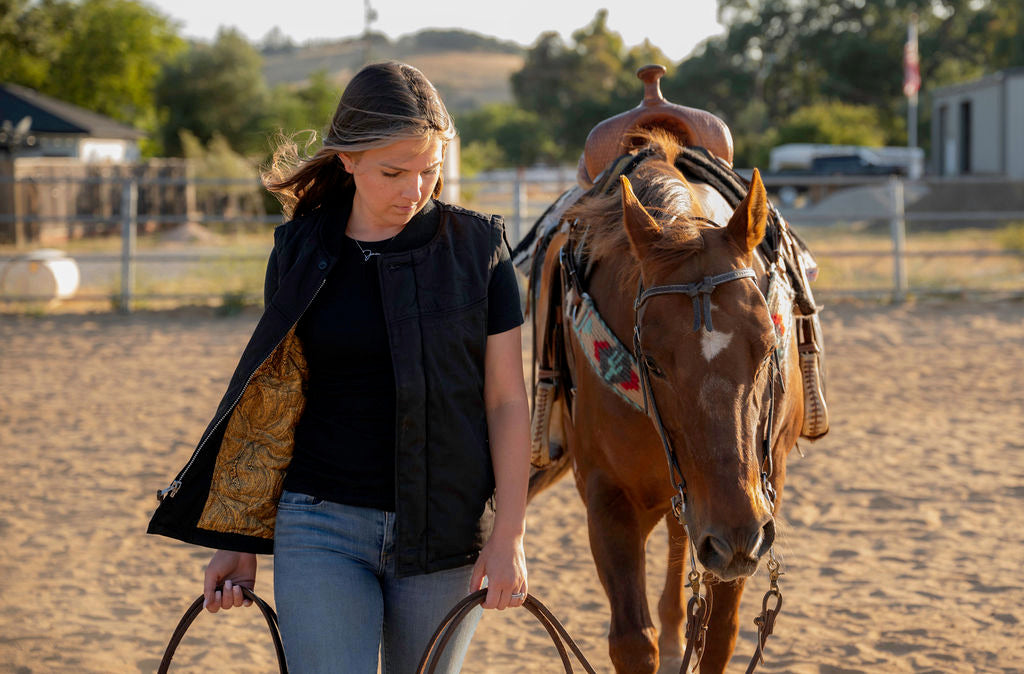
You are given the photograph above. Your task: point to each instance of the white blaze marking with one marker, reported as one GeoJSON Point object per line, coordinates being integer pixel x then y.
{"type": "Point", "coordinates": [712, 343]}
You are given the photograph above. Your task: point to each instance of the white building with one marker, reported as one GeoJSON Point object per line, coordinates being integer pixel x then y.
{"type": "Point", "coordinates": [60, 129]}
{"type": "Point", "coordinates": [978, 127]}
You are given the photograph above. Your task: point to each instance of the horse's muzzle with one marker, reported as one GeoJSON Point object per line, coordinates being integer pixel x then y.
{"type": "Point", "coordinates": [735, 553]}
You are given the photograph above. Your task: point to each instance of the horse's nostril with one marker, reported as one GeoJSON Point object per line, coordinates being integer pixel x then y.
{"type": "Point", "coordinates": [767, 539]}
{"type": "Point", "coordinates": [713, 552]}
{"type": "Point", "coordinates": [716, 552]}
{"type": "Point", "coordinates": [720, 547]}
{"type": "Point", "coordinates": [754, 543]}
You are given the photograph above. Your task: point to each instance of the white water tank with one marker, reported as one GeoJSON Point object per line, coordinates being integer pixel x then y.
{"type": "Point", "coordinates": [44, 274]}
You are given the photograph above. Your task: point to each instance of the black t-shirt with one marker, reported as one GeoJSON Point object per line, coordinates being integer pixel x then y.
{"type": "Point", "coordinates": [345, 439]}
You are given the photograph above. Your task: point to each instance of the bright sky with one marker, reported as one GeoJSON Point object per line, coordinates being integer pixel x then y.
{"type": "Point", "coordinates": [676, 26]}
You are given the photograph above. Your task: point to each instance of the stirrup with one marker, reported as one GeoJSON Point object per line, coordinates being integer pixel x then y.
{"type": "Point", "coordinates": [812, 356]}
{"type": "Point", "coordinates": [544, 397]}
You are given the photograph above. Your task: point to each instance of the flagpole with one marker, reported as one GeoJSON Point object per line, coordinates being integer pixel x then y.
{"type": "Point", "coordinates": [912, 121]}
{"type": "Point", "coordinates": [911, 80]}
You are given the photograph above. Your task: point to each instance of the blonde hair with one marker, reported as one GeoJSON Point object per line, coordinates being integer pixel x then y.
{"type": "Point", "coordinates": [384, 103]}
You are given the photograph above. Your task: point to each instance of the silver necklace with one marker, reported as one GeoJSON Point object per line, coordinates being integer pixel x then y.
{"type": "Point", "coordinates": [367, 254]}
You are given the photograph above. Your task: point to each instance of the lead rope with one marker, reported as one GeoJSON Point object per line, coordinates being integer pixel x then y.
{"type": "Point", "coordinates": [698, 614]}
{"type": "Point", "coordinates": [765, 621]}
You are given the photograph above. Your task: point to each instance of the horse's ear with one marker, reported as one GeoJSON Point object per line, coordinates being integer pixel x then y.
{"type": "Point", "coordinates": [640, 226]}
{"type": "Point", "coordinates": [746, 226]}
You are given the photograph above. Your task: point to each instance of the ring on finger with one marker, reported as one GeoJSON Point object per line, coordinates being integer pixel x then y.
{"type": "Point", "coordinates": [518, 595]}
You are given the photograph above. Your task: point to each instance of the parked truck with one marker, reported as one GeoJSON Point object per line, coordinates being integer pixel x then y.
{"type": "Point", "coordinates": [812, 159]}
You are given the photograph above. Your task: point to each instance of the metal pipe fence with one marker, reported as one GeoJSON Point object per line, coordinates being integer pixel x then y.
{"type": "Point", "coordinates": [130, 255]}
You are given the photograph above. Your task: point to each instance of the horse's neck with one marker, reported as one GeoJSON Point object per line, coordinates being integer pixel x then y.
{"type": "Point", "coordinates": [614, 300]}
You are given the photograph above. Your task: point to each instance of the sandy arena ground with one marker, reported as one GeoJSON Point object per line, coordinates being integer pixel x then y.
{"type": "Point", "coordinates": [902, 533]}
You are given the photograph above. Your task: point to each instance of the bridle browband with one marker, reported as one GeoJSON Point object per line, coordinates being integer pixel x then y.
{"type": "Point", "coordinates": [695, 291]}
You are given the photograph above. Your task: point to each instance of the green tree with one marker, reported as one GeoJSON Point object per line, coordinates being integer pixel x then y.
{"type": "Point", "coordinates": [215, 89]}
{"type": "Point", "coordinates": [217, 161]}
{"type": "Point", "coordinates": [479, 156]}
{"type": "Point", "coordinates": [30, 34]}
{"type": "Point", "coordinates": [572, 87]}
{"type": "Point", "coordinates": [834, 123]}
{"type": "Point", "coordinates": [1005, 26]}
{"type": "Point", "coordinates": [309, 106]}
{"type": "Point", "coordinates": [522, 137]}
{"type": "Point", "coordinates": [104, 55]}
{"type": "Point", "coordinates": [715, 81]}
{"type": "Point", "coordinates": [112, 57]}
{"type": "Point", "coordinates": [778, 56]}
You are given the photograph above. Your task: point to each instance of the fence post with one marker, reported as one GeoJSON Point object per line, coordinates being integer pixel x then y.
{"type": "Point", "coordinates": [19, 223]}
{"type": "Point", "coordinates": [898, 226]}
{"type": "Point", "coordinates": [129, 227]}
{"type": "Point", "coordinates": [520, 205]}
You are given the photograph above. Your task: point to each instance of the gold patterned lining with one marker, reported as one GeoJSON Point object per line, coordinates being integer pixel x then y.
{"type": "Point", "coordinates": [257, 446]}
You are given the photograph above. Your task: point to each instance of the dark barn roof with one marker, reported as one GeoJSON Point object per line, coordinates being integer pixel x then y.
{"type": "Point", "coordinates": [52, 116]}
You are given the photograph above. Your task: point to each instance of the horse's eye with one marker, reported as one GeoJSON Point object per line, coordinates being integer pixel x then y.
{"type": "Point", "coordinates": [653, 368]}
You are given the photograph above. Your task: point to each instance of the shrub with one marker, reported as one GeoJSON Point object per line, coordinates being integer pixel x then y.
{"type": "Point", "coordinates": [1011, 237]}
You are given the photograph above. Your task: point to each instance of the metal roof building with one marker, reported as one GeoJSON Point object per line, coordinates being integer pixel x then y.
{"type": "Point", "coordinates": [978, 127]}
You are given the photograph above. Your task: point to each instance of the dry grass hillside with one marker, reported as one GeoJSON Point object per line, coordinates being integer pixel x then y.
{"type": "Point", "coordinates": [469, 70]}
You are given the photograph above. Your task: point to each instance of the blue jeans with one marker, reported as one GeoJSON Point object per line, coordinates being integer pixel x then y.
{"type": "Point", "coordinates": [339, 602]}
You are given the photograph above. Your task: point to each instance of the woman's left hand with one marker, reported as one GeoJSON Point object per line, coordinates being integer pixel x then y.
{"type": "Point", "coordinates": [503, 562]}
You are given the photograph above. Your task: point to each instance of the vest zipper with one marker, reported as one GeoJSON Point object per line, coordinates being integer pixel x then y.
{"type": "Point", "coordinates": [172, 489]}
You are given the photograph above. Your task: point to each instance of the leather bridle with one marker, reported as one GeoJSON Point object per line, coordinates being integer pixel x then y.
{"type": "Point", "coordinates": [700, 293]}
{"type": "Point", "coordinates": [699, 606]}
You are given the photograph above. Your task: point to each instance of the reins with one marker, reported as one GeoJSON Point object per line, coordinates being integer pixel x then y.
{"type": "Point", "coordinates": [559, 636]}
{"type": "Point", "coordinates": [698, 614]}
{"type": "Point", "coordinates": [196, 608]}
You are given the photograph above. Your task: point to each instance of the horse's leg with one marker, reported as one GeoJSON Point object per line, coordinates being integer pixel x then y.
{"type": "Point", "coordinates": [618, 531]}
{"type": "Point", "coordinates": [671, 605]}
{"type": "Point", "coordinates": [723, 627]}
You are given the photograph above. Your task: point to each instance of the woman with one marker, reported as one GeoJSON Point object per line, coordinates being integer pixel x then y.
{"type": "Point", "coordinates": [374, 436]}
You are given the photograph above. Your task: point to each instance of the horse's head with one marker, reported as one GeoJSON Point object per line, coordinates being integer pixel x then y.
{"type": "Point", "coordinates": [712, 386]}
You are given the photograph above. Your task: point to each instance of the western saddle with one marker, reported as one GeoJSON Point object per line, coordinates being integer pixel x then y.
{"type": "Point", "coordinates": [606, 143]}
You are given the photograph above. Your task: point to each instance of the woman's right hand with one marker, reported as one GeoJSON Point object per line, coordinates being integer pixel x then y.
{"type": "Point", "coordinates": [233, 570]}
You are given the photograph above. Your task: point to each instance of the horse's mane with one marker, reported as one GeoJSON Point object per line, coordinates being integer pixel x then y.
{"type": "Point", "coordinates": [666, 195]}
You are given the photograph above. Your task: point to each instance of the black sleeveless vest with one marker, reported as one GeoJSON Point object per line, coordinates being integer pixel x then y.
{"type": "Point", "coordinates": [435, 306]}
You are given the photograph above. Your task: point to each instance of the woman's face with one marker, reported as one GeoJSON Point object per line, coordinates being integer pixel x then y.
{"type": "Point", "coordinates": [393, 182]}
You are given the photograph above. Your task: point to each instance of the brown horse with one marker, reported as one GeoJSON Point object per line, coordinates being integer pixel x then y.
{"type": "Point", "coordinates": [712, 389]}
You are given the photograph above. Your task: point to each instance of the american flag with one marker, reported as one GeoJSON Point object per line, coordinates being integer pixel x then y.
{"type": "Point", "coordinates": [911, 62]}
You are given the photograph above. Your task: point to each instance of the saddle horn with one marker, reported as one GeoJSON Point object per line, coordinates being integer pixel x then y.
{"type": "Point", "coordinates": [692, 126]}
